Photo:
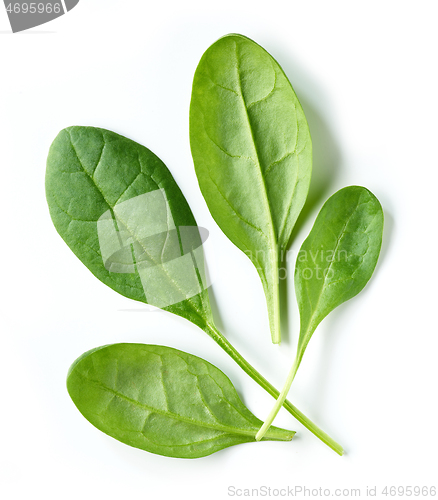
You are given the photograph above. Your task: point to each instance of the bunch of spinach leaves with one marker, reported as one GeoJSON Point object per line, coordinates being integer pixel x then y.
{"type": "Point", "coordinates": [120, 211]}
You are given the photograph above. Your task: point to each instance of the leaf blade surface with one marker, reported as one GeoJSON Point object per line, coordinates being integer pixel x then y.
{"type": "Point", "coordinates": [161, 400]}
{"type": "Point", "coordinates": [339, 256]}
{"type": "Point", "coordinates": [93, 172]}
{"type": "Point", "coordinates": [252, 153]}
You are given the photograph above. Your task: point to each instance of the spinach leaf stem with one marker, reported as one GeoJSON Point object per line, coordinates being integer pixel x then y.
{"type": "Point", "coordinates": [217, 336]}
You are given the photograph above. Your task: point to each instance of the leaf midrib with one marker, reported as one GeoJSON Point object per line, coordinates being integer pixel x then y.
{"type": "Point", "coordinates": [111, 208]}
{"type": "Point", "coordinates": [271, 237]}
{"type": "Point", "coordinates": [175, 416]}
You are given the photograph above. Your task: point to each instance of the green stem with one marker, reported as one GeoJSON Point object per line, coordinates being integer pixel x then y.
{"type": "Point", "coordinates": [274, 312]}
{"type": "Point", "coordinates": [217, 336]}
{"type": "Point", "coordinates": [279, 403]}
{"type": "Point", "coordinates": [274, 299]}
{"type": "Point", "coordinates": [275, 434]}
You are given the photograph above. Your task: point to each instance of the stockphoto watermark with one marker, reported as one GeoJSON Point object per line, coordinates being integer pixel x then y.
{"type": "Point", "coordinates": [301, 491]}
{"type": "Point", "coordinates": [293, 492]}
{"type": "Point", "coordinates": [310, 264]}
{"type": "Point", "coordinates": [139, 236]}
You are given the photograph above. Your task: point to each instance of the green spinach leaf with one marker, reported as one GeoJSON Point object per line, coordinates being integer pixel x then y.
{"type": "Point", "coordinates": [334, 264]}
{"type": "Point", "coordinates": [116, 205]}
{"type": "Point", "coordinates": [252, 153]}
{"type": "Point", "coordinates": [162, 400]}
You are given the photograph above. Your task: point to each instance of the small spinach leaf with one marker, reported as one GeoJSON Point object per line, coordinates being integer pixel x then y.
{"type": "Point", "coordinates": [338, 257]}
{"type": "Point", "coordinates": [334, 264]}
{"type": "Point", "coordinates": [162, 400]}
{"type": "Point", "coordinates": [252, 153]}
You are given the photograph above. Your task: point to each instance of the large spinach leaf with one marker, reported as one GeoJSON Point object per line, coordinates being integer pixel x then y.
{"type": "Point", "coordinates": [108, 194]}
{"type": "Point", "coordinates": [252, 153]}
{"type": "Point", "coordinates": [162, 400]}
{"type": "Point", "coordinates": [334, 264]}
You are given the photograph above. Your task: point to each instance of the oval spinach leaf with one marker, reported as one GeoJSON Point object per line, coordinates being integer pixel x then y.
{"type": "Point", "coordinates": [338, 257]}
{"type": "Point", "coordinates": [162, 400]}
{"type": "Point", "coordinates": [252, 153]}
{"type": "Point", "coordinates": [120, 211]}
{"type": "Point", "coordinates": [334, 264]}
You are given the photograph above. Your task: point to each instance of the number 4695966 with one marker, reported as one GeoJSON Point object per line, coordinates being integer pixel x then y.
{"type": "Point", "coordinates": [33, 8]}
{"type": "Point", "coordinates": [408, 491]}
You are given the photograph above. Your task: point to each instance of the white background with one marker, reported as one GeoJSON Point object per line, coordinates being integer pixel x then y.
{"type": "Point", "coordinates": [366, 75]}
